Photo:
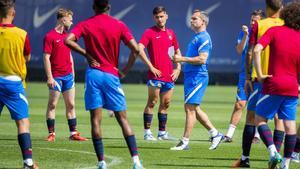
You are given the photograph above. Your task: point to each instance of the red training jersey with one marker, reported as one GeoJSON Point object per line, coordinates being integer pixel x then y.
{"type": "Point", "coordinates": [102, 35]}
{"type": "Point", "coordinates": [284, 61]}
{"type": "Point", "coordinates": [158, 42]}
{"type": "Point", "coordinates": [60, 54]}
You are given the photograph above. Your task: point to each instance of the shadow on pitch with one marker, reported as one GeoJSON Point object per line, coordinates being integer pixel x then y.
{"type": "Point", "coordinates": [221, 159]}
{"type": "Point", "coordinates": [197, 166]}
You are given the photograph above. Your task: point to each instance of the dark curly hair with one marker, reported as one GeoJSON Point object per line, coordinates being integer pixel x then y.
{"type": "Point", "coordinates": [5, 5]}
{"type": "Point", "coordinates": [291, 15]}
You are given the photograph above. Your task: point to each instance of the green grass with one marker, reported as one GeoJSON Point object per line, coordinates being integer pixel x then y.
{"type": "Point", "coordinates": [63, 154]}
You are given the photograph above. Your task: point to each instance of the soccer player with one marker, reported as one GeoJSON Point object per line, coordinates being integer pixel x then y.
{"type": "Point", "coordinates": [15, 52]}
{"type": "Point", "coordinates": [280, 85]}
{"type": "Point", "coordinates": [196, 80]}
{"type": "Point", "coordinates": [102, 35]}
{"type": "Point", "coordinates": [241, 97]}
{"type": "Point", "coordinates": [59, 68]}
{"type": "Point", "coordinates": [160, 42]}
{"type": "Point", "coordinates": [258, 29]}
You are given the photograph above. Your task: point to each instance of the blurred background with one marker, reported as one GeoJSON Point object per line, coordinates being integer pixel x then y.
{"type": "Point", "coordinates": [37, 17]}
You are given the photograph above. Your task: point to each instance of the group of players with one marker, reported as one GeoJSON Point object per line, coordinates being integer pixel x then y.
{"type": "Point", "coordinates": [276, 60]}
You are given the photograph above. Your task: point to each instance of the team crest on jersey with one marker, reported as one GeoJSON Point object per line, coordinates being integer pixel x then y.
{"type": "Point", "coordinates": [170, 37]}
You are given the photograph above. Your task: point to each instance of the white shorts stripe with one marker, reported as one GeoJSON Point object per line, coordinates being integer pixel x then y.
{"type": "Point", "coordinates": [57, 85]}
{"type": "Point", "coordinates": [23, 98]}
{"type": "Point", "coordinates": [253, 94]}
{"type": "Point", "coordinates": [262, 99]}
{"type": "Point", "coordinates": [192, 93]}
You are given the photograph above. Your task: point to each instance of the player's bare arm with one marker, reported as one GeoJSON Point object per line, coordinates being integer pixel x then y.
{"type": "Point", "coordinates": [176, 71]}
{"type": "Point", "coordinates": [241, 46]}
{"type": "Point", "coordinates": [257, 63]}
{"type": "Point", "coordinates": [70, 41]}
{"type": "Point", "coordinates": [198, 60]}
{"type": "Point", "coordinates": [248, 66]}
{"type": "Point", "coordinates": [145, 59]}
{"type": "Point", "coordinates": [133, 46]}
{"type": "Point", "coordinates": [47, 66]}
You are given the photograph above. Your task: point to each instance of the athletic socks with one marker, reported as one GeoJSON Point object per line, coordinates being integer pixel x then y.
{"type": "Point", "coordinates": [147, 120]}
{"type": "Point", "coordinates": [98, 146]}
{"type": "Point", "coordinates": [278, 139]}
{"type": "Point", "coordinates": [50, 125]}
{"type": "Point", "coordinates": [25, 145]}
{"type": "Point", "coordinates": [131, 143]}
{"type": "Point", "coordinates": [162, 121]}
{"type": "Point", "coordinates": [231, 130]}
{"type": "Point", "coordinates": [248, 135]}
{"type": "Point", "coordinates": [72, 125]}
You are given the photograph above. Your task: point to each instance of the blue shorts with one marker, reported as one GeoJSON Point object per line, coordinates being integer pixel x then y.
{"type": "Point", "coordinates": [12, 95]}
{"type": "Point", "coordinates": [164, 86]}
{"type": "Point", "coordinates": [64, 83]}
{"type": "Point", "coordinates": [284, 106]}
{"type": "Point", "coordinates": [254, 96]}
{"type": "Point", "coordinates": [194, 88]}
{"type": "Point", "coordinates": [103, 90]}
{"type": "Point", "coordinates": [241, 94]}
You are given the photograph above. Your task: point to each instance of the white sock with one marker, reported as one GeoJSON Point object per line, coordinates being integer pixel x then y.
{"type": "Point", "coordinates": [245, 157]}
{"type": "Point", "coordinates": [256, 133]}
{"type": "Point", "coordinates": [272, 150]}
{"type": "Point", "coordinates": [136, 159]}
{"type": "Point", "coordinates": [213, 132]}
{"type": "Point", "coordinates": [231, 130]}
{"type": "Point", "coordinates": [161, 132]}
{"type": "Point", "coordinates": [185, 140]}
{"type": "Point", "coordinates": [28, 162]}
{"type": "Point", "coordinates": [73, 132]}
{"type": "Point", "coordinates": [147, 131]}
{"type": "Point", "coordinates": [285, 162]}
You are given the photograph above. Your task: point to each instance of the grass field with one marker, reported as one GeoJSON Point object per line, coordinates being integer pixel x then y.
{"type": "Point", "coordinates": [63, 154]}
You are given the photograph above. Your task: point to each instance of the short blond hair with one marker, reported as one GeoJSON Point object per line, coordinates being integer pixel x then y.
{"type": "Point", "coordinates": [62, 12]}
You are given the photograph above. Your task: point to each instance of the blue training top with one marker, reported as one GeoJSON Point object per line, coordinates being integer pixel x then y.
{"type": "Point", "coordinates": [200, 43]}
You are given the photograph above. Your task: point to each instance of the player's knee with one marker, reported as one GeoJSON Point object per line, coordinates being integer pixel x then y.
{"type": "Point", "coordinates": [239, 105]}
{"type": "Point", "coordinates": [51, 106]}
{"type": "Point", "coordinates": [152, 103]}
{"type": "Point", "coordinates": [166, 104]}
{"type": "Point", "coordinates": [70, 106]}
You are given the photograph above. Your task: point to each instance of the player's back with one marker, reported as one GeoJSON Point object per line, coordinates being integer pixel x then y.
{"type": "Point", "coordinates": [12, 43]}
{"type": "Point", "coordinates": [102, 36]}
{"type": "Point", "coordinates": [284, 61]}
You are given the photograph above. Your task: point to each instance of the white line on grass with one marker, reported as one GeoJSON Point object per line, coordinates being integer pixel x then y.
{"type": "Point", "coordinates": [114, 160]}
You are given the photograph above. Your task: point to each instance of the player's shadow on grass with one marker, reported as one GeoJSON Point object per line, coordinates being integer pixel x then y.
{"type": "Point", "coordinates": [9, 168]}
{"type": "Point", "coordinates": [221, 159]}
{"type": "Point", "coordinates": [192, 165]}
{"type": "Point", "coordinates": [7, 139]}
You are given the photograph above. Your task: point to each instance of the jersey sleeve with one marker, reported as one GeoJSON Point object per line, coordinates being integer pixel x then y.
{"type": "Point", "coordinates": [78, 30]}
{"type": "Point", "coordinates": [145, 38]}
{"type": "Point", "coordinates": [203, 46]}
{"type": "Point", "coordinates": [175, 42]}
{"type": "Point", "coordinates": [253, 34]}
{"type": "Point", "coordinates": [27, 48]}
{"type": "Point", "coordinates": [47, 45]}
{"type": "Point", "coordinates": [266, 39]}
{"type": "Point", "coordinates": [126, 34]}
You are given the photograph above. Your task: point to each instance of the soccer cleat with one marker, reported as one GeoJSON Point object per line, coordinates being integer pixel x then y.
{"type": "Point", "coordinates": [295, 157]}
{"type": "Point", "coordinates": [227, 139]}
{"type": "Point", "coordinates": [255, 140]}
{"type": "Point", "coordinates": [138, 166]}
{"type": "Point", "coordinates": [215, 141]}
{"type": "Point", "coordinates": [34, 166]}
{"type": "Point", "coordinates": [149, 137]}
{"type": "Point", "coordinates": [51, 137]}
{"type": "Point", "coordinates": [165, 136]}
{"type": "Point", "coordinates": [77, 137]}
{"type": "Point", "coordinates": [274, 160]}
{"type": "Point", "coordinates": [284, 167]}
{"type": "Point", "coordinates": [102, 165]}
{"type": "Point", "coordinates": [241, 163]}
{"type": "Point", "coordinates": [180, 146]}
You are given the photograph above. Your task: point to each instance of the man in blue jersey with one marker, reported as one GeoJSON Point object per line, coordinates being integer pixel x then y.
{"type": "Point", "coordinates": [241, 97]}
{"type": "Point", "coordinates": [196, 81]}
